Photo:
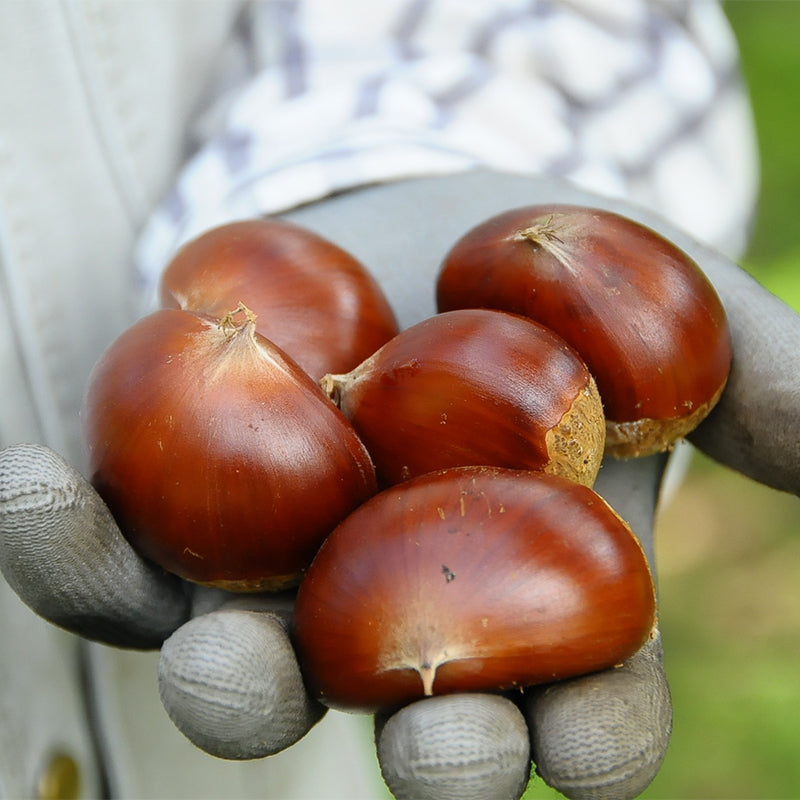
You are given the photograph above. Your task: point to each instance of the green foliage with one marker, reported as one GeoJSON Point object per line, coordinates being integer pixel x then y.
{"type": "Point", "coordinates": [768, 32]}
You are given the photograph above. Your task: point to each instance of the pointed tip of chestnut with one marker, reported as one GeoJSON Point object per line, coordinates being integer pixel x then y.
{"type": "Point", "coordinates": [470, 579]}
{"type": "Point", "coordinates": [313, 299]}
{"type": "Point", "coordinates": [474, 387]}
{"type": "Point", "coordinates": [636, 308]}
{"type": "Point", "coordinates": [218, 456]}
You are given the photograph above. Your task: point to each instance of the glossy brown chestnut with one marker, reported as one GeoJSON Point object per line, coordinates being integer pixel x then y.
{"type": "Point", "coordinates": [220, 459]}
{"type": "Point", "coordinates": [474, 387]}
{"type": "Point", "coordinates": [311, 298]}
{"type": "Point", "coordinates": [637, 309]}
{"type": "Point", "coordinates": [470, 579]}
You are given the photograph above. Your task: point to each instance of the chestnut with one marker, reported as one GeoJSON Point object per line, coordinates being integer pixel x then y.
{"type": "Point", "coordinates": [311, 298]}
{"type": "Point", "coordinates": [219, 457]}
{"type": "Point", "coordinates": [474, 387]}
{"type": "Point", "coordinates": [470, 579]}
{"type": "Point", "coordinates": [638, 310]}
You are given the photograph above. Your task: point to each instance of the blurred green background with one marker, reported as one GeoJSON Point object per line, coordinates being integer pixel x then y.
{"type": "Point", "coordinates": [729, 549]}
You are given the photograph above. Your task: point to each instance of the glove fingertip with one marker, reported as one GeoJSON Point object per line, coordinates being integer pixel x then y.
{"type": "Point", "coordinates": [230, 682]}
{"type": "Point", "coordinates": [63, 554]}
{"type": "Point", "coordinates": [457, 747]}
{"type": "Point", "coordinates": [603, 736]}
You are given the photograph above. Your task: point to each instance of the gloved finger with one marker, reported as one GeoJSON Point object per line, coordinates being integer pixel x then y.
{"type": "Point", "coordinates": [755, 428]}
{"type": "Point", "coordinates": [464, 747]}
{"type": "Point", "coordinates": [603, 736]}
{"type": "Point", "coordinates": [632, 488]}
{"type": "Point", "coordinates": [206, 599]}
{"type": "Point", "coordinates": [63, 554]}
{"type": "Point", "coordinates": [230, 682]}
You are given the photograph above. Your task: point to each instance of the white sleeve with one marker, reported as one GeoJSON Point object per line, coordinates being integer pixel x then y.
{"type": "Point", "coordinates": [641, 100]}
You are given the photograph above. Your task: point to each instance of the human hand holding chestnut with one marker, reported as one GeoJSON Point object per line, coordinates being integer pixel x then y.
{"type": "Point", "coordinates": [601, 735]}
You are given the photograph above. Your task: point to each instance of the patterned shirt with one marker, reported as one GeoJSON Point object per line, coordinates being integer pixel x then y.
{"type": "Point", "coordinates": [641, 100]}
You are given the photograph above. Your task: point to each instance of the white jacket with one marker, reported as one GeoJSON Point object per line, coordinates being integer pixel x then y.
{"type": "Point", "coordinates": [94, 103]}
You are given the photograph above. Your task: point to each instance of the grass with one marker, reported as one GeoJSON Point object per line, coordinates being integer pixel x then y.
{"type": "Point", "coordinates": [768, 31]}
{"type": "Point", "coordinates": [729, 571]}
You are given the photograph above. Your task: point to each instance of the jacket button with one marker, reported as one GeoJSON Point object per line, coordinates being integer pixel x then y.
{"type": "Point", "coordinates": [60, 779]}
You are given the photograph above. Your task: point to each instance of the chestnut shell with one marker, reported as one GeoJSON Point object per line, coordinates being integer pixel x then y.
{"type": "Point", "coordinates": [474, 387]}
{"type": "Point", "coordinates": [470, 579]}
{"type": "Point", "coordinates": [313, 299]}
{"type": "Point", "coordinates": [638, 310]}
{"type": "Point", "coordinates": [220, 459]}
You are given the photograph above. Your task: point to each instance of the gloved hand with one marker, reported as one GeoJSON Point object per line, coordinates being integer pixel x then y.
{"type": "Point", "coordinates": [227, 673]}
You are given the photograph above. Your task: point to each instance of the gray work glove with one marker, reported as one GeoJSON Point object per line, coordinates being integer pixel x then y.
{"type": "Point", "coordinates": [228, 676]}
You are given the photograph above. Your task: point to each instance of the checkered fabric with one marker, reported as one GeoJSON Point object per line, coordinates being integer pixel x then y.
{"type": "Point", "coordinates": [641, 100]}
